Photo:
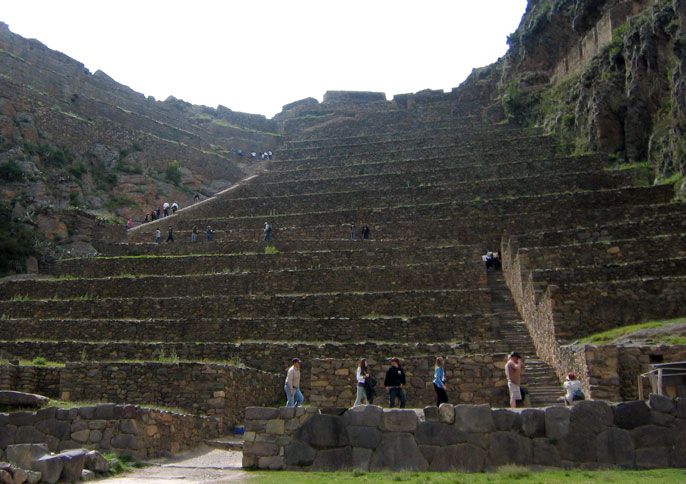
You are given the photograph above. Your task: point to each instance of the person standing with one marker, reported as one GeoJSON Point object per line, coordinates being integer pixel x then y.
{"type": "Point", "coordinates": [158, 236]}
{"type": "Point", "coordinates": [395, 382]}
{"type": "Point", "coordinates": [513, 371]}
{"type": "Point", "coordinates": [174, 207]}
{"type": "Point", "coordinates": [439, 382]}
{"type": "Point", "coordinates": [170, 234]}
{"type": "Point", "coordinates": [267, 232]}
{"type": "Point", "coordinates": [352, 231]}
{"type": "Point", "coordinates": [194, 234]}
{"type": "Point", "coordinates": [209, 233]}
{"type": "Point", "coordinates": [294, 398]}
{"type": "Point", "coordinates": [165, 207]}
{"type": "Point", "coordinates": [361, 376]}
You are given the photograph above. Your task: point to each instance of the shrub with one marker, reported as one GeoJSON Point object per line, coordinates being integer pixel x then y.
{"type": "Point", "coordinates": [173, 173]}
{"type": "Point", "coordinates": [10, 171]}
{"type": "Point", "coordinates": [16, 242]}
{"type": "Point", "coordinates": [39, 361]}
{"type": "Point", "coordinates": [78, 169]}
{"type": "Point", "coordinates": [271, 250]}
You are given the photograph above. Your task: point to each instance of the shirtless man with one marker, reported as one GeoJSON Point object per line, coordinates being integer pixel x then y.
{"type": "Point", "coordinates": [513, 371]}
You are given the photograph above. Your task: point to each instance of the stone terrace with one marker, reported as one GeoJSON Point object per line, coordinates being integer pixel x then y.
{"type": "Point", "coordinates": [437, 187]}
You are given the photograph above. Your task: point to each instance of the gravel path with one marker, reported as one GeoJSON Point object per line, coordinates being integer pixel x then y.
{"type": "Point", "coordinates": [204, 465]}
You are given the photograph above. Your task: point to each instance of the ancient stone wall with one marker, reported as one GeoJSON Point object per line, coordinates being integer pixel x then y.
{"type": "Point", "coordinates": [469, 378]}
{"type": "Point", "coordinates": [125, 429]}
{"type": "Point", "coordinates": [44, 380]}
{"type": "Point", "coordinates": [471, 438]}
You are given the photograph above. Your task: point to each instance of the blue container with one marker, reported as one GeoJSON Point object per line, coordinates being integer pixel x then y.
{"type": "Point", "coordinates": [239, 430]}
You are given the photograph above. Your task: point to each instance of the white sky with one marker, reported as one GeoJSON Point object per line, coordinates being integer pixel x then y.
{"type": "Point", "coordinates": [257, 55]}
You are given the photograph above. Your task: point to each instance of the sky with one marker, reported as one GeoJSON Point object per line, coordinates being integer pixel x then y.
{"type": "Point", "coordinates": [257, 55]}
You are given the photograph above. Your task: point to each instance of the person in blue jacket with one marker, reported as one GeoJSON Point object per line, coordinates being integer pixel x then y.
{"type": "Point", "coordinates": [439, 382]}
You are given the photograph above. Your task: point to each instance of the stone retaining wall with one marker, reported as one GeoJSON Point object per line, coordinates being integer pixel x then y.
{"type": "Point", "coordinates": [125, 429]}
{"type": "Point", "coordinates": [472, 438]}
{"type": "Point", "coordinates": [44, 380]}
{"type": "Point", "coordinates": [471, 378]}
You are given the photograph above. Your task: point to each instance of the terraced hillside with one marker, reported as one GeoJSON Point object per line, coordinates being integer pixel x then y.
{"type": "Point", "coordinates": [437, 187]}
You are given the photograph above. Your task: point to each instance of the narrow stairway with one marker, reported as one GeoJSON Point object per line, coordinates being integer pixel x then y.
{"type": "Point", "coordinates": [540, 378]}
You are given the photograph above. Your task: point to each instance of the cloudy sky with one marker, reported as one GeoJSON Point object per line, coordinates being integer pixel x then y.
{"type": "Point", "coordinates": [257, 55]}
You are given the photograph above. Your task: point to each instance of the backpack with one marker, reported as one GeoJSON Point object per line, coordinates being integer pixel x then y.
{"type": "Point", "coordinates": [578, 395]}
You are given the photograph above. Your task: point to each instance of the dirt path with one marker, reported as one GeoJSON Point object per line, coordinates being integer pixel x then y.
{"type": "Point", "coordinates": [204, 465]}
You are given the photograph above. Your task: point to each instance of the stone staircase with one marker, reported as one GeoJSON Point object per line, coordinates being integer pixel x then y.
{"type": "Point", "coordinates": [540, 378]}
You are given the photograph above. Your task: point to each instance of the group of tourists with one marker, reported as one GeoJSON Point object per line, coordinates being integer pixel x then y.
{"type": "Point", "coordinates": [158, 212]}
{"type": "Point", "coordinates": [492, 260]}
{"type": "Point", "coordinates": [264, 155]}
{"type": "Point", "coordinates": [209, 234]}
{"type": "Point", "coordinates": [365, 233]}
{"type": "Point", "coordinates": [395, 381]}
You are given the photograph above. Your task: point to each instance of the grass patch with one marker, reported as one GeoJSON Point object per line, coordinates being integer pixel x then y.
{"type": "Point", "coordinates": [120, 463]}
{"type": "Point", "coordinates": [504, 475]}
{"type": "Point", "coordinates": [629, 166]}
{"type": "Point", "coordinates": [612, 334]}
{"type": "Point", "coordinates": [675, 179]}
{"type": "Point", "coordinates": [271, 250]}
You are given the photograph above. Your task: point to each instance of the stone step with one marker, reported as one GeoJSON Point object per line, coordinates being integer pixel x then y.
{"type": "Point", "coordinates": [233, 443]}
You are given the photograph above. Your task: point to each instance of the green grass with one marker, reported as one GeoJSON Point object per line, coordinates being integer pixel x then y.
{"type": "Point", "coordinates": [120, 463]}
{"type": "Point", "coordinates": [612, 334]}
{"type": "Point", "coordinates": [504, 475]}
{"type": "Point", "coordinates": [629, 166]}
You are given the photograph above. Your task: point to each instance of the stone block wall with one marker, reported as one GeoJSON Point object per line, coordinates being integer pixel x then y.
{"type": "Point", "coordinates": [31, 379]}
{"type": "Point", "coordinates": [470, 378]}
{"type": "Point", "coordinates": [216, 390]}
{"type": "Point", "coordinates": [472, 438]}
{"type": "Point", "coordinates": [125, 429]}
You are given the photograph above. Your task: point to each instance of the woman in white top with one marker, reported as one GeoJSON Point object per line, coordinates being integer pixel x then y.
{"type": "Point", "coordinates": [573, 388]}
{"type": "Point", "coordinates": [362, 375]}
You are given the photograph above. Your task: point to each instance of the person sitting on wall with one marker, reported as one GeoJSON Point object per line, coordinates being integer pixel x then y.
{"type": "Point", "coordinates": [573, 390]}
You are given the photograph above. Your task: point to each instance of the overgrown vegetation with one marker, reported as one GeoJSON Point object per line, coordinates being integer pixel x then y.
{"type": "Point", "coordinates": [10, 171]}
{"type": "Point", "coordinates": [49, 154]}
{"type": "Point", "coordinates": [173, 173]}
{"type": "Point", "coordinates": [271, 250]}
{"type": "Point", "coordinates": [16, 242]}
{"type": "Point", "coordinates": [120, 463]}
{"type": "Point", "coordinates": [625, 331]}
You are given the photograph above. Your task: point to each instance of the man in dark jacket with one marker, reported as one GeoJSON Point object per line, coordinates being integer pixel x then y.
{"type": "Point", "coordinates": [395, 383]}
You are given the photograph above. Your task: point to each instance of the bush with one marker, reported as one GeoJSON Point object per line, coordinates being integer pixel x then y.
{"type": "Point", "coordinates": [16, 242]}
{"type": "Point", "coordinates": [78, 169]}
{"type": "Point", "coordinates": [10, 171]}
{"type": "Point", "coordinates": [173, 173]}
{"type": "Point", "coordinates": [271, 250]}
{"type": "Point", "coordinates": [39, 361]}
{"type": "Point", "coordinates": [50, 155]}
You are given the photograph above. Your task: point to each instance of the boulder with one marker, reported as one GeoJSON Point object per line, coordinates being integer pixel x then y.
{"type": "Point", "coordinates": [533, 422]}
{"type": "Point", "coordinates": [273, 462]}
{"type": "Point", "coordinates": [398, 452]}
{"type": "Point", "coordinates": [361, 459]}
{"type": "Point", "coordinates": [681, 407]}
{"type": "Point", "coordinates": [72, 464]}
{"type": "Point", "coordinates": [506, 420]}
{"type": "Point", "coordinates": [545, 453]}
{"type": "Point", "coordinates": [22, 455]}
{"type": "Point", "coordinates": [11, 398]}
{"type": "Point", "coordinates": [33, 477]}
{"type": "Point", "coordinates": [364, 415]}
{"type": "Point", "coordinates": [333, 459]}
{"type": "Point", "coordinates": [579, 445]}
{"type": "Point", "coordinates": [54, 427]}
{"type": "Point", "coordinates": [474, 418]}
{"type": "Point", "coordinates": [6, 477]}
{"type": "Point", "coordinates": [395, 420]}
{"type": "Point", "coordinates": [629, 415]}
{"type": "Point", "coordinates": [50, 467]}
{"type": "Point", "coordinates": [87, 475]}
{"type": "Point", "coordinates": [592, 415]}
{"type": "Point", "coordinates": [96, 462]}
{"type": "Point", "coordinates": [7, 434]}
{"type": "Point", "coordinates": [446, 413]}
{"type": "Point", "coordinates": [431, 413]}
{"type": "Point", "coordinates": [660, 403]}
{"type": "Point", "coordinates": [653, 457]}
{"type": "Point", "coordinates": [557, 422]}
{"type": "Point", "coordinates": [615, 447]}
{"type": "Point", "coordinates": [510, 448]}
{"type": "Point", "coordinates": [299, 454]}
{"type": "Point", "coordinates": [20, 475]}
{"type": "Point", "coordinates": [323, 431]}
{"type": "Point", "coordinates": [460, 457]}
{"type": "Point", "coordinates": [652, 436]}
{"type": "Point", "coordinates": [365, 437]}
{"type": "Point", "coordinates": [435, 433]}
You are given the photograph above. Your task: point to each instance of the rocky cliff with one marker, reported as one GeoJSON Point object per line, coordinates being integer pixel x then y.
{"type": "Point", "coordinates": [76, 146]}
{"type": "Point", "coordinates": [607, 75]}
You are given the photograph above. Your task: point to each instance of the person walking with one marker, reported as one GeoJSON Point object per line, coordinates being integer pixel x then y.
{"type": "Point", "coordinates": [158, 236]}
{"type": "Point", "coordinates": [170, 234]}
{"type": "Point", "coordinates": [165, 207]}
{"type": "Point", "coordinates": [194, 234]}
{"type": "Point", "coordinates": [294, 398]}
{"type": "Point", "coordinates": [513, 372]}
{"type": "Point", "coordinates": [267, 232]}
{"type": "Point", "coordinates": [174, 207]}
{"type": "Point", "coordinates": [395, 383]}
{"type": "Point", "coordinates": [439, 382]}
{"type": "Point", "coordinates": [352, 231]}
{"type": "Point", "coordinates": [209, 233]}
{"type": "Point", "coordinates": [361, 376]}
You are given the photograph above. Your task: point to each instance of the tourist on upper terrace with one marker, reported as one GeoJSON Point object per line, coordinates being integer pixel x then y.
{"type": "Point", "coordinates": [194, 234]}
{"type": "Point", "coordinates": [196, 197]}
{"type": "Point", "coordinates": [146, 220]}
{"type": "Point", "coordinates": [497, 263]}
{"type": "Point", "coordinates": [174, 207]}
{"type": "Point", "coordinates": [574, 392]}
{"type": "Point", "coordinates": [209, 233]}
{"type": "Point", "coordinates": [360, 388]}
{"type": "Point", "coordinates": [352, 231]}
{"type": "Point", "coordinates": [439, 382]}
{"type": "Point", "coordinates": [157, 213]}
{"type": "Point", "coordinates": [170, 234]}
{"type": "Point", "coordinates": [365, 232]}
{"type": "Point", "coordinates": [267, 232]}
{"type": "Point", "coordinates": [395, 383]}
{"type": "Point", "coordinates": [294, 398]}
{"type": "Point", "coordinates": [129, 224]}
{"type": "Point", "coordinates": [165, 208]}
{"type": "Point", "coordinates": [270, 154]}
{"type": "Point", "coordinates": [158, 236]}
{"type": "Point", "coordinates": [513, 371]}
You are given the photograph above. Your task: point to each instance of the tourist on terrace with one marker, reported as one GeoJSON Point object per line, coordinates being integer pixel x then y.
{"type": "Point", "coordinates": [170, 234]}
{"type": "Point", "coordinates": [129, 224]}
{"type": "Point", "coordinates": [352, 231]}
{"type": "Point", "coordinates": [209, 233]}
{"type": "Point", "coordinates": [361, 376]}
{"type": "Point", "coordinates": [573, 390]}
{"type": "Point", "coordinates": [157, 213]}
{"type": "Point", "coordinates": [513, 371]}
{"type": "Point", "coordinates": [439, 382]}
{"type": "Point", "coordinates": [158, 236]}
{"type": "Point", "coordinates": [174, 207]}
{"type": "Point", "coordinates": [294, 398]}
{"type": "Point", "coordinates": [365, 232]}
{"type": "Point", "coordinates": [194, 234]}
{"type": "Point", "coordinates": [497, 262]}
{"type": "Point", "coordinates": [488, 259]}
{"type": "Point", "coordinates": [395, 382]}
{"type": "Point", "coordinates": [196, 197]}
{"type": "Point", "coordinates": [146, 220]}
{"type": "Point", "coordinates": [165, 208]}
{"type": "Point", "coordinates": [267, 232]}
